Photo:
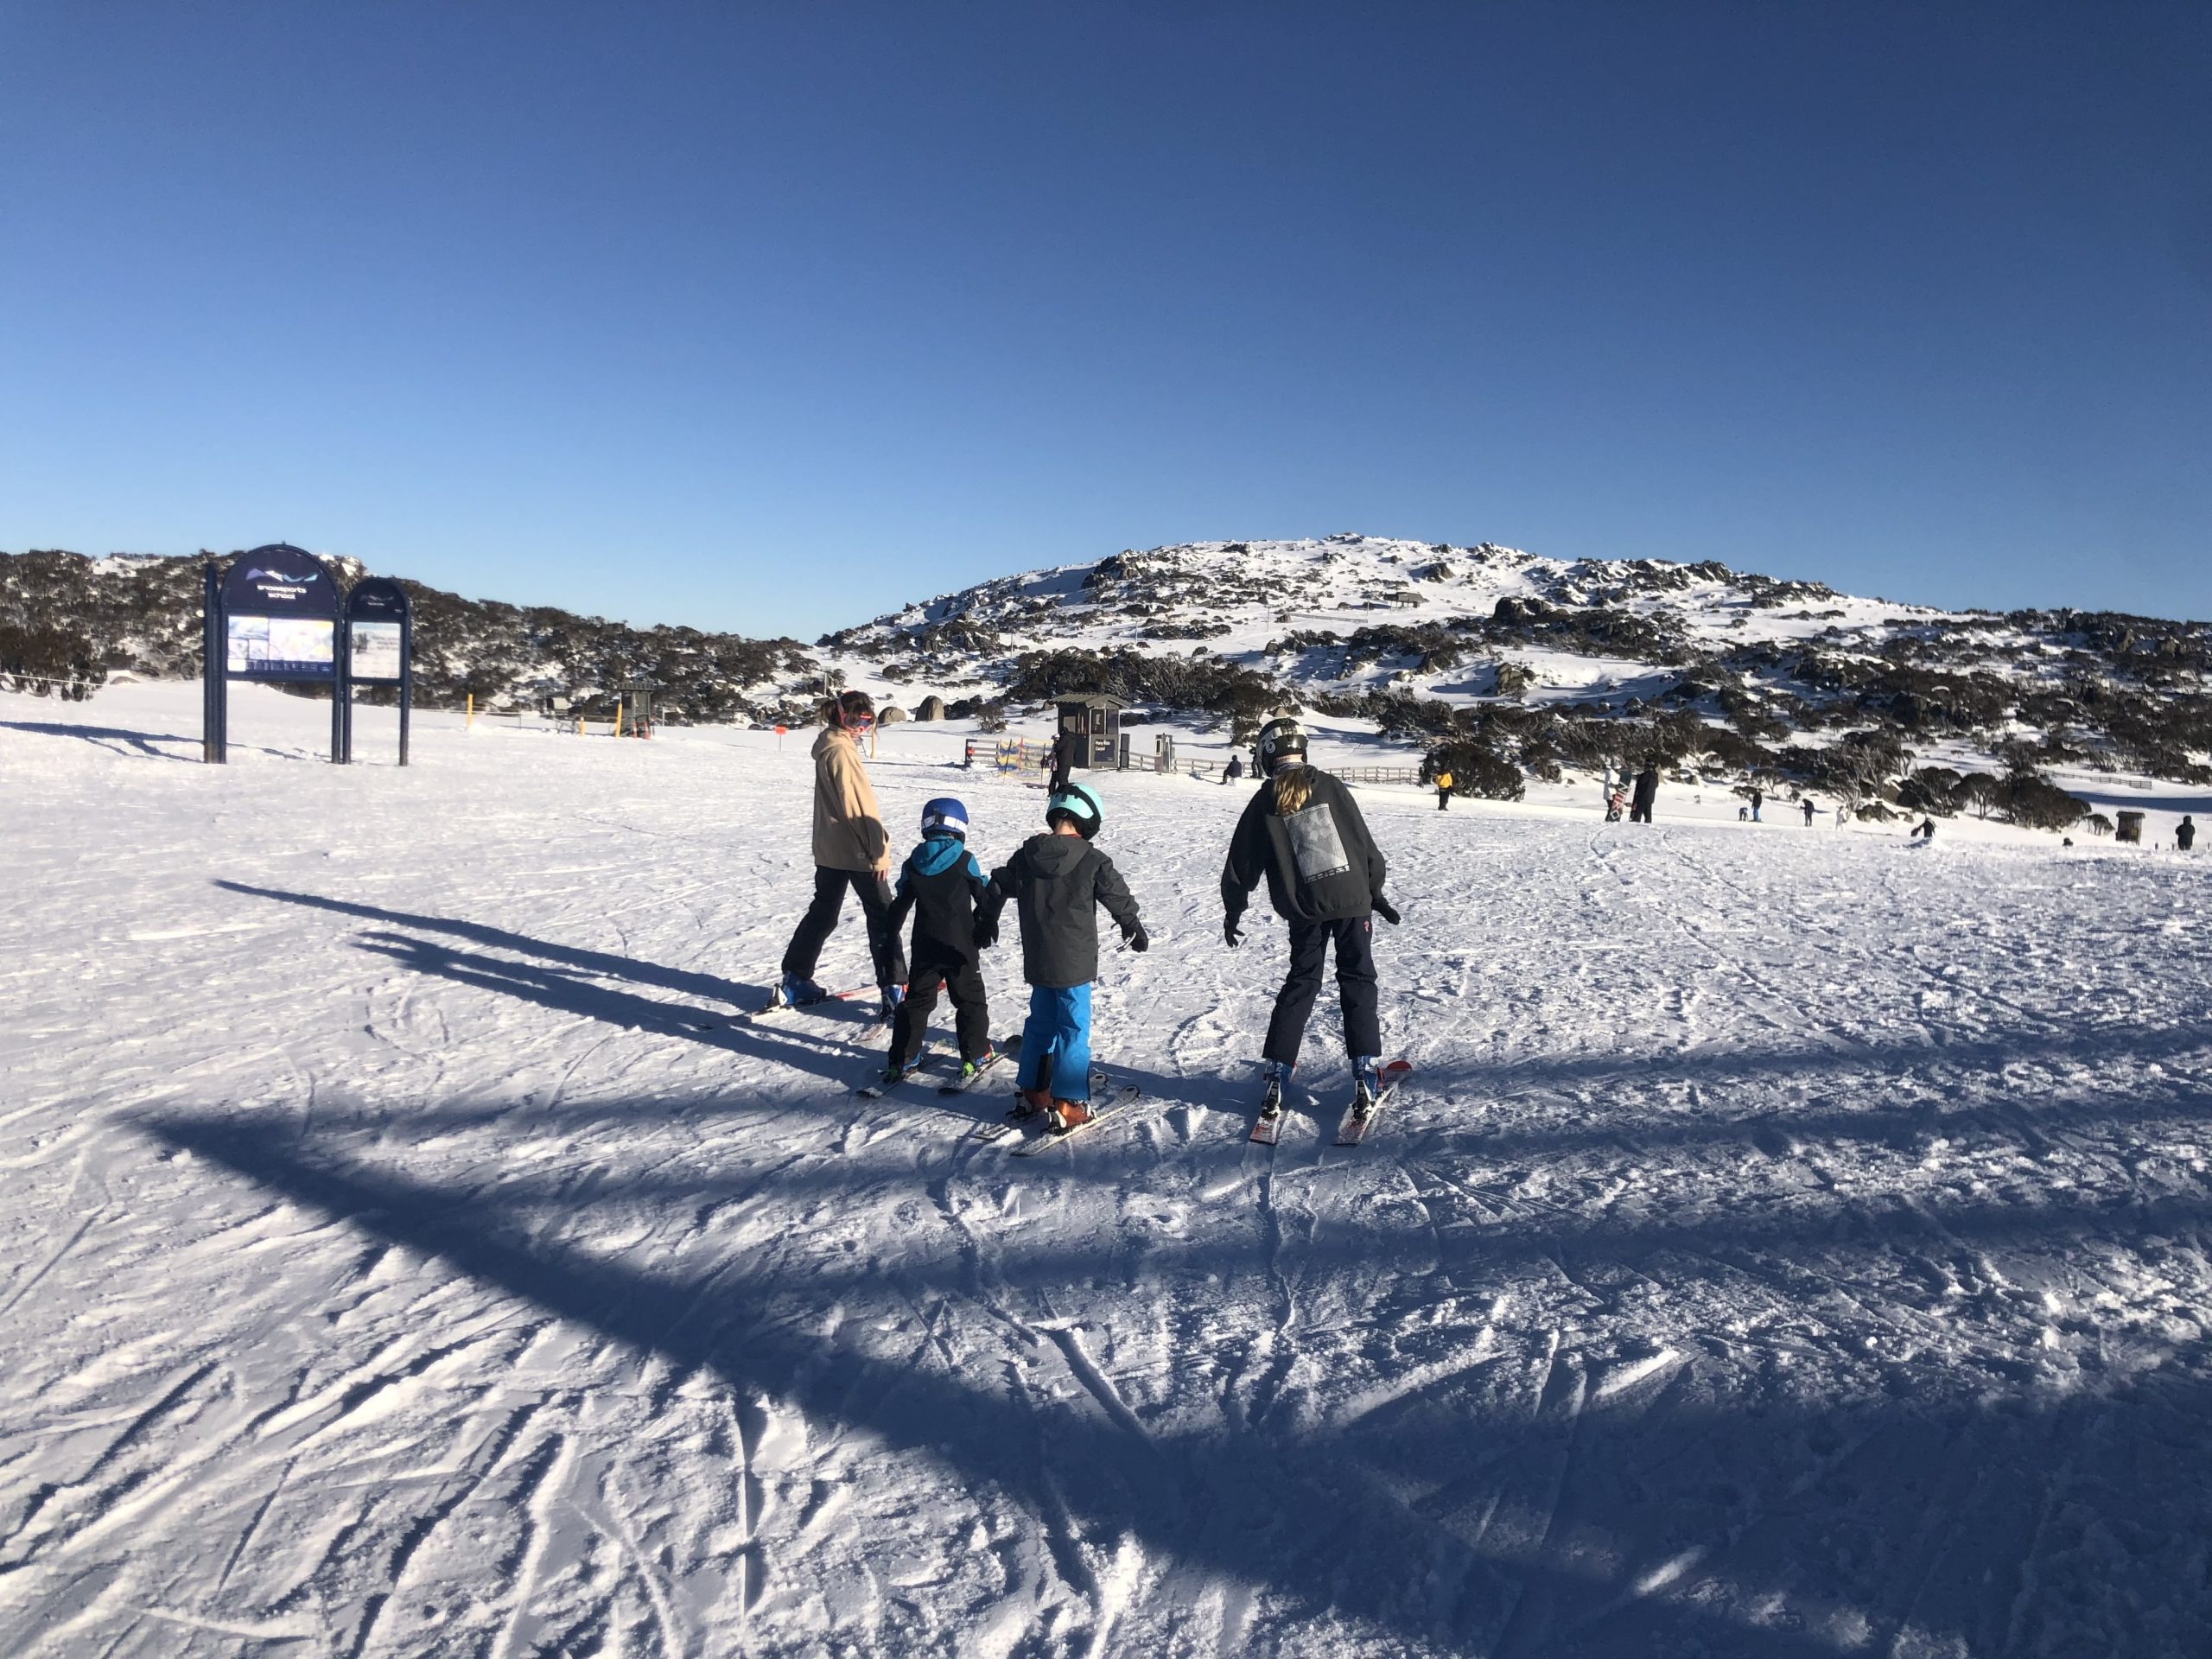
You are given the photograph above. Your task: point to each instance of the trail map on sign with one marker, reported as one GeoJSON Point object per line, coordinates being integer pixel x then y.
{"type": "Point", "coordinates": [305, 646]}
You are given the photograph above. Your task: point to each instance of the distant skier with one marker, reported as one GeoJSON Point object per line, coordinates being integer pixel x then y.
{"type": "Point", "coordinates": [2186, 832]}
{"type": "Point", "coordinates": [1925, 829]}
{"type": "Point", "coordinates": [1758, 796]}
{"type": "Point", "coordinates": [1443, 786]}
{"type": "Point", "coordinates": [1058, 883]}
{"type": "Point", "coordinates": [1646, 795]}
{"type": "Point", "coordinates": [1233, 771]}
{"type": "Point", "coordinates": [1304, 834]}
{"type": "Point", "coordinates": [940, 884]}
{"type": "Point", "coordinates": [1807, 804]}
{"type": "Point", "coordinates": [850, 851]}
{"type": "Point", "coordinates": [1063, 761]}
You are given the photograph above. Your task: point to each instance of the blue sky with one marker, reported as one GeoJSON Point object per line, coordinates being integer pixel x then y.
{"type": "Point", "coordinates": [773, 317]}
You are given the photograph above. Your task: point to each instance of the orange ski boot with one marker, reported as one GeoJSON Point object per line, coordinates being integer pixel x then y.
{"type": "Point", "coordinates": [1068, 1114]}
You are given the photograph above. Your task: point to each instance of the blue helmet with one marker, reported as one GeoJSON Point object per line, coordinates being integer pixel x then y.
{"type": "Point", "coordinates": [945, 816]}
{"type": "Point", "coordinates": [1081, 806]}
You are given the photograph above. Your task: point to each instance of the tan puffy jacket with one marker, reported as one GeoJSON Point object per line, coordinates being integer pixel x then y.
{"type": "Point", "coordinates": [848, 828]}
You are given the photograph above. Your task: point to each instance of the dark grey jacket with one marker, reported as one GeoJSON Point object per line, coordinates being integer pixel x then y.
{"type": "Point", "coordinates": [1058, 884]}
{"type": "Point", "coordinates": [1320, 863]}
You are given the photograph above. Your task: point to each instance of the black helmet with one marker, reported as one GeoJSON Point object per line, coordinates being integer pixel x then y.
{"type": "Point", "coordinates": [1281, 741]}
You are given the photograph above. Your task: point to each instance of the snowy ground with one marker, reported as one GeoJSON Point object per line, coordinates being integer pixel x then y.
{"type": "Point", "coordinates": [1794, 1243]}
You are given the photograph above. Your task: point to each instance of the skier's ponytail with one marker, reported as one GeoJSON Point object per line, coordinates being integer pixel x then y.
{"type": "Point", "coordinates": [1294, 788]}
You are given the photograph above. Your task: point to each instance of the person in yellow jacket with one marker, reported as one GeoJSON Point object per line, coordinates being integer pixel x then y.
{"type": "Point", "coordinates": [851, 851]}
{"type": "Point", "coordinates": [1443, 791]}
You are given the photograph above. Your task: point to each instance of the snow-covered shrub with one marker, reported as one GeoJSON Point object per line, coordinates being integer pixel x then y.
{"type": "Point", "coordinates": [2038, 804]}
{"type": "Point", "coordinates": [1475, 770]}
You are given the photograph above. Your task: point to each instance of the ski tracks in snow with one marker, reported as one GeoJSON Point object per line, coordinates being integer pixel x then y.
{"type": "Point", "coordinates": [1786, 1246]}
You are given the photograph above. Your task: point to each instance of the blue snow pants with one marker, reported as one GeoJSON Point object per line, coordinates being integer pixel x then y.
{"type": "Point", "coordinates": [1056, 1041]}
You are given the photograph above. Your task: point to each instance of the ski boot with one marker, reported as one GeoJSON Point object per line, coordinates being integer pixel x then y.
{"type": "Point", "coordinates": [887, 1005]}
{"type": "Point", "coordinates": [896, 1073]}
{"type": "Point", "coordinates": [1272, 1073]}
{"type": "Point", "coordinates": [1030, 1105]}
{"type": "Point", "coordinates": [970, 1068]}
{"type": "Point", "coordinates": [798, 991]}
{"type": "Point", "coordinates": [1367, 1085]}
{"type": "Point", "coordinates": [1064, 1116]}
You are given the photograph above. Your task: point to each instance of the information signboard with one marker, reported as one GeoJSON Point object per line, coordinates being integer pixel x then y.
{"type": "Point", "coordinates": [380, 640]}
{"type": "Point", "coordinates": [273, 617]}
{"type": "Point", "coordinates": [377, 654]}
{"type": "Point", "coordinates": [280, 613]}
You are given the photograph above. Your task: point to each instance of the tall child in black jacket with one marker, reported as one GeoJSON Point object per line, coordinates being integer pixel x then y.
{"type": "Point", "coordinates": [942, 884]}
{"type": "Point", "coordinates": [1058, 882]}
{"type": "Point", "coordinates": [1303, 832]}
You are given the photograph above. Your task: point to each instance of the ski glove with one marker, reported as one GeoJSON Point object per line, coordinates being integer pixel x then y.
{"type": "Point", "coordinates": [1230, 936]}
{"type": "Point", "coordinates": [1386, 910]}
{"type": "Point", "coordinates": [1138, 940]}
{"type": "Point", "coordinates": [986, 937]}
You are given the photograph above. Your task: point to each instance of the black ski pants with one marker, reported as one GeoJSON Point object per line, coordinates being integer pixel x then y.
{"type": "Point", "coordinates": [1639, 815]}
{"type": "Point", "coordinates": [971, 1014]}
{"type": "Point", "coordinates": [820, 921]}
{"type": "Point", "coordinates": [1309, 949]}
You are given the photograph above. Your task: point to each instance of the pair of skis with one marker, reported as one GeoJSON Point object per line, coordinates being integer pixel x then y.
{"type": "Point", "coordinates": [921, 1063]}
{"type": "Point", "coordinates": [1267, 1129]}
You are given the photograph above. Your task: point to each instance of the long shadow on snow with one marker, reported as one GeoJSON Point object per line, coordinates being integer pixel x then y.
{"type": "Point", "coordinates": [559, 989]}
{"type": "Point", "coordinates": [1623, 1128]}
{"type": "Point", "coordinates": [1477, 1082]}
{"type": "Point", "coordinates": [1491, 1227]}
{"type": "Point", "coordinates": [1450, 1517]}
{"type": "Point", "coordinates": [498, 938]}
{"type": "Point", "coordinates": [113, 737]}
{"type": "Point", "coordinates": [804, 1048]}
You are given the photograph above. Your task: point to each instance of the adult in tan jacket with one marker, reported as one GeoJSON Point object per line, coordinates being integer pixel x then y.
{"type": "Point", "coordinates": [850, 851]}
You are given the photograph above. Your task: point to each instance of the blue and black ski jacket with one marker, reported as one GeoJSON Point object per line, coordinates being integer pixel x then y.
{"type": "Point", "coordinates": [941, 883]}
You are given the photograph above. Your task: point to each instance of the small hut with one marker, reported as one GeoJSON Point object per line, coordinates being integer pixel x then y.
{"type": "Point", "coordinates": [633, 714]}
{"type": "Point", "coordinates": [2130, 827]}
{"type": "Point", "coordinates": [1096, 716]}
{"type": "Point", "coordinates": [930, 707]}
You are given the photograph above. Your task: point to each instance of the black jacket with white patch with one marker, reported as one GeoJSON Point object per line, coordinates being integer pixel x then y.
{"type": "Point", "coordinates": [1320, 863]}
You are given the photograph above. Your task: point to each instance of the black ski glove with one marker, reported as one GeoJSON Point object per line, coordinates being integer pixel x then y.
{"type": "Point", "coordinates": [1230, 936]}
{"type": "Point", "coordinates": [986, 937]}
{"type": "Point", "coordinates": [1140, 941]}
{"type": "Point", "coordinates": [1386, 910]}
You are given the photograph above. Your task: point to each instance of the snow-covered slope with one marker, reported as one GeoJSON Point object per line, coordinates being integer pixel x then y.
{"type": "Point", "coordinates": [1792, 1243]}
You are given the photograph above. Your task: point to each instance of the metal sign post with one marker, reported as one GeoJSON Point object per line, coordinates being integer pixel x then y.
{"type": "Point", "coordinates": [379, 649]}
{"type": "Point", "coordinates": [273, 619]}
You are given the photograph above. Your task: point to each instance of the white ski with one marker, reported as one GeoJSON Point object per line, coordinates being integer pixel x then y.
{"type": "Point", "coordinates": [1101, 1110]}
{"type": "Point", "coordinates": [874, 1090]}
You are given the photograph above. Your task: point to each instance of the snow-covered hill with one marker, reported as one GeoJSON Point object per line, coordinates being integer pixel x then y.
{"type": "Point", "coordinates": [1509, 666]}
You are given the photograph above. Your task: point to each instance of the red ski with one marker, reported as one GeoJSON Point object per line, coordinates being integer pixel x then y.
{"type": "Point", "coordinates": [1353, 1130]}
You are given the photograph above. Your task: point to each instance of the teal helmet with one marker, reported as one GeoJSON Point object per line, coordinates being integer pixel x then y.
{"type": "Point", "coordinates": [1081, 806]}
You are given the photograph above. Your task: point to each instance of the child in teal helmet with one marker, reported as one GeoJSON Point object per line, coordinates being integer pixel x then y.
{"type": "Point", "coordinates": [1058, 883]}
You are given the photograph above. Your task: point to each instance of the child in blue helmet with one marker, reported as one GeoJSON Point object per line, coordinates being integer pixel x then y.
{"type": "Point", "coordinates": [941, 884]}
{"type": "Point", "coordinates": [1058, 881]}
